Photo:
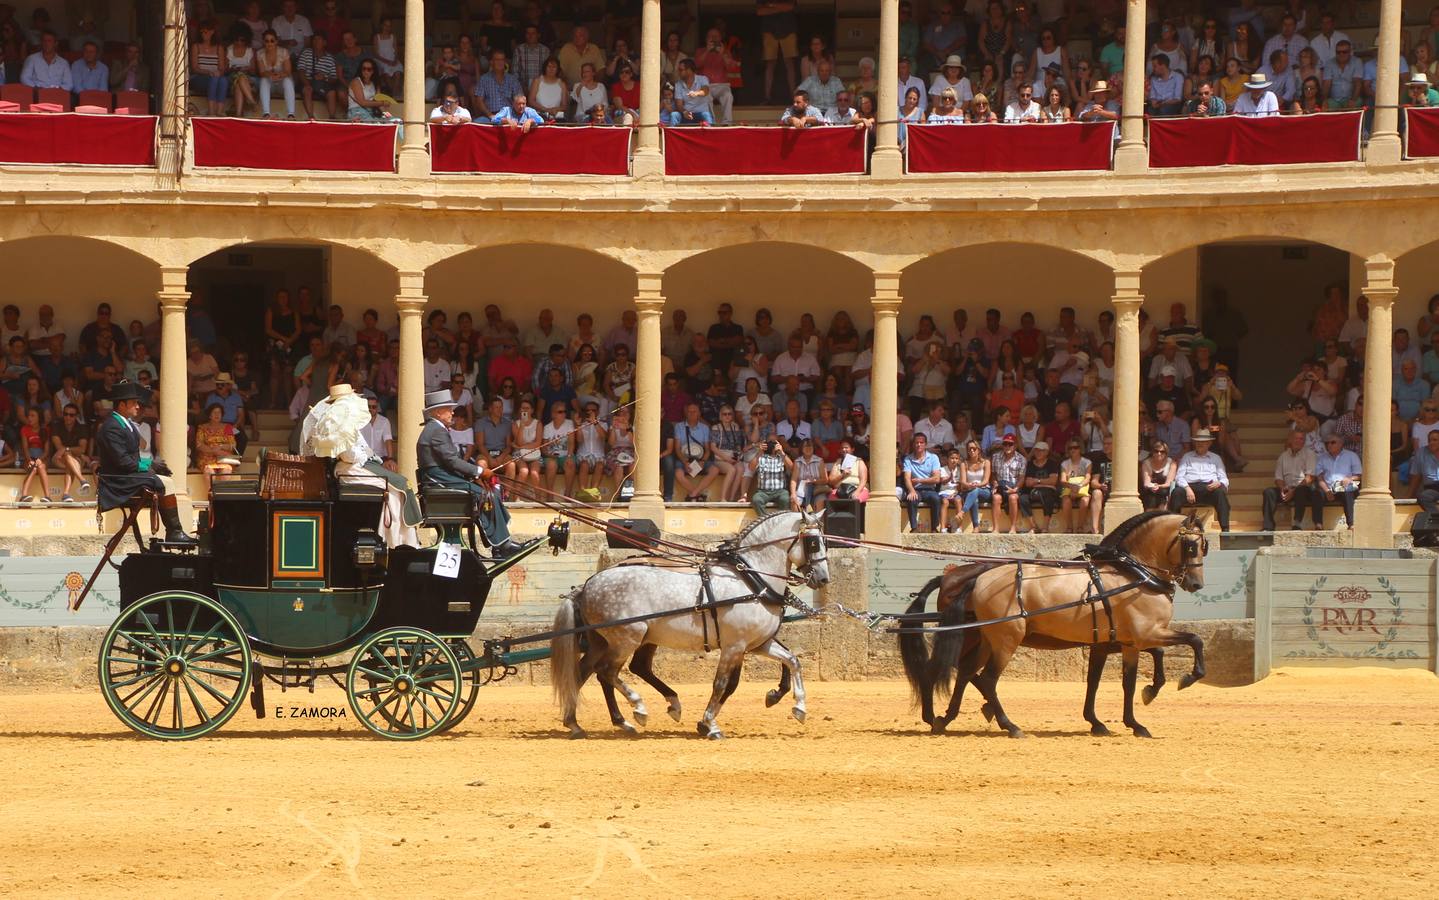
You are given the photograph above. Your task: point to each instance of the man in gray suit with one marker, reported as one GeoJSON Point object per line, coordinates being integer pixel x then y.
{"type": "Point", "coordinates": [439, 463]}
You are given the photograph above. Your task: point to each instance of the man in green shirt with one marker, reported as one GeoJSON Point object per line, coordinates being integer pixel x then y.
{"type": "Point", "coordinates": [1112, 56]}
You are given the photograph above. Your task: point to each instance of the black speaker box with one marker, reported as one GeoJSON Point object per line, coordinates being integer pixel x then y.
{"type": "Point", "coordinates": [844, 518]}
{"type": "Point", "coordinates": [631, 534]}
{"type": "Point", "coordinates": [1425, 529]}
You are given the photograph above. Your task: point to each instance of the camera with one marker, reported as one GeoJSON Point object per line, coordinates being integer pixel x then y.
{"type": "Point", "coordinates": [771, 446]}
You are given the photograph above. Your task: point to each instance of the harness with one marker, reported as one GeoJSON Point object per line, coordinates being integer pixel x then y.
{"type": "Point", "coordinates": [727, 556]}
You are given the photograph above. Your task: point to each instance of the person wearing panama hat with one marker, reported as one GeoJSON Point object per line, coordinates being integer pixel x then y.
{"type": "Point", "coordinates": [952, 77]}
{"type": "Point", "coordinates": [1097, 108]}
{"type": "Point", "coordinates": [123, 473]}
{"type": "Point", "coordinates": [1420, 92]}
{"type": "Point", "coordinates": [1257, 99]}
{"type": "Point", "coordinates": [439, 463]}
{"type": "Point", "coordinates": [1202, 480]}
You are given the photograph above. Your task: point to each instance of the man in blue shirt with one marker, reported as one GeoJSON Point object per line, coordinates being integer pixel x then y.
{"type": "Point", "coordinates": [921, 484]}
{"type": "Point", "coordinates": [1409, 390]}
{"type": "Point", "coordinates": [518, 115]}
{"type": "Point", "coordinates": [692, 97]}
{"type": "Point", "coordinates": [496, 87]}
{"type": "Point", "coordinates": [1166, 88]}
{"type": "Point", "coordinates": [1424, 474]}
{"type": "Point", "coordinates": [46, 68]}
{"type": "Point", "coordinates": [1336, 479]}
{"type": "Point", "coordinates": [88, 73]}
{"type": "Point", "coordinates": [1343, 78]}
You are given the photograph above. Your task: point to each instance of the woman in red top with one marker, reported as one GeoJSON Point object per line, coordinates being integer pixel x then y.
{"type": "Point", "coordinates": [626, 88]}
{"type": "Point", "coordinates": [33, 438]}
{"type": "Point", "coordinates": [1028, 339]}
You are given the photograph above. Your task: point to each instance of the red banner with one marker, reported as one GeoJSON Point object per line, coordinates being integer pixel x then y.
{"type": "Point", "coordinates": [1072, 147]}
{"type": "Point", "coordinates": [75, 139]}
{"type": "Point", "coordinates": [764, 151]}
{"type": "Point", "coordinates": [270, 144]}
{"type": "Point", "coordinates": [544, 150]}
{"type": "Point", "coordinates": [1250, 141]}
{"type": "Point", "coordinates": [1421, 130]}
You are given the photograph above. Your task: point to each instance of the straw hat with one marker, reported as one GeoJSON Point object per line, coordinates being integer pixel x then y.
{"type": "Point", "coordinates": [337, 391]}
{"type": "Point", "coordinates": [1202, 435]}
{"type": "Point", "coordinates": [954, 62]}
{"type": "Point", "coordinates": [1419, 78]}
{"type": "Point", "coordinates": [1257, 82]}
{"type": "Point", "coordinates": [1100, 87]}
{"type": "Point", "coordinates": [224, 378]}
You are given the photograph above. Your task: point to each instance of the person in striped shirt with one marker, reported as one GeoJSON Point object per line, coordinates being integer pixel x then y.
{"type": "Point", "coordinates": [319, 76]}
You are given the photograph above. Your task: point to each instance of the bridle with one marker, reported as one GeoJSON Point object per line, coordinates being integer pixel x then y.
{"type": "Point", "coordinates": [1193, 547]}
{"type": "Point", "coordinates": [810, 537]}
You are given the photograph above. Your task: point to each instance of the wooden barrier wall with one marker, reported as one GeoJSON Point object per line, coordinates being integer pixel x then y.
{"type": "Point", "coordinates": [1333, 612]}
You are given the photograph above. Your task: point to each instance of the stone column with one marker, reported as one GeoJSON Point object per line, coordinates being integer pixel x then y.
{"type": "Point", "coordinates": [887, 162]}
{"type": "Point", "coordinates": [1374, 508]}
{"type": "Point", "coordinates": [648, 501]}
{"type": "Point", "coordinates": [1123, 500]}
{"type": "Point", "coordinates": [648, 162]}
{"type": "Point", "coordinates": [1385, 148]}
{"type": "Point", "coordinates": [882, 513]}
{"type": "Point", "coordinates": [409, 413]}
{"type": "Point", "coordinates": [174, 442]}
{"type": "Point", "coordinates": [1132, 156]}
{"type": "Point", "coordinates": [414, 160]}
{"type": "Point", "coordinates": [171, 95]}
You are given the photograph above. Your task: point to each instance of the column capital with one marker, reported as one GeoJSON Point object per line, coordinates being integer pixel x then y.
{"type": "Point", "coordinates": [412, 284]}
{"type": "Point", "coordinates": [649, 286]}
{"type": "Point", "coordinates": [1379, 280]}
{"type": "Point", "coordinates": [886, 286]}
{"type": "Point", "coordinates": [174, 281]}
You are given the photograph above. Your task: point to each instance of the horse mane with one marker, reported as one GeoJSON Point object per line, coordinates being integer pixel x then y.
{"type": "Point", "coordinates": [1117, 538]}
{"type": "Point", "coordinates": [744, 532]}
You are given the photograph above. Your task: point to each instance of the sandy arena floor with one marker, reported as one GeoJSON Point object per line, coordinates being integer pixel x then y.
{"type": "Point", "coordinates": [1305, 785]}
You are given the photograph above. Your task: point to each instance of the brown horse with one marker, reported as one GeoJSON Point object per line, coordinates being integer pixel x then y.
{"type": "Point", "coordinates": [1153, 552]}
{"type": "Point", "coordinates": [930, 671]}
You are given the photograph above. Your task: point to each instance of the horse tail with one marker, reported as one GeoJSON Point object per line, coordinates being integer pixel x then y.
{"type": "Point", "coordinates": [914, 650]}
{"type": "Point", "coordinates": [565, 655]}
{"type": "Point", "coordinates": [948, 645]}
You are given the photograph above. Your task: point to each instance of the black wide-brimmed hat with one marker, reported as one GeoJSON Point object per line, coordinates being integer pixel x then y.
{"type": "Point", "coordinates": [128, 390]}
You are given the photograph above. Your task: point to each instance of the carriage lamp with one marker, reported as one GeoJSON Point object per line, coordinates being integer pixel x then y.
{"type": "Point", "coordinates": [369, 550]}
{"type": "Point", "coordinates": [559, 536]}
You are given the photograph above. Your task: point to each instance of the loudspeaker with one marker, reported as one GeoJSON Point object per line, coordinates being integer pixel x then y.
{"type": "Point", "coordinates": [631, 534]}
{"type": "Point", "coordinates": [1425, 529]}
{"type": "Point", "coordinates": [844, 518]}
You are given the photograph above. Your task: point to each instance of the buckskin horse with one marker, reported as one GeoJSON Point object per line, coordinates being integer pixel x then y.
{"type": "Point", "coordinates": [1119, 595]}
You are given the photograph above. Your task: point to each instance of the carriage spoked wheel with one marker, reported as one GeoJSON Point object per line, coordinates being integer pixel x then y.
{"type": "Point", "coordinates": [175, 666]}
{"type": "Point", "coordinates": [471, 689]}
{"type": "Point", "coordinates": [404, 683]}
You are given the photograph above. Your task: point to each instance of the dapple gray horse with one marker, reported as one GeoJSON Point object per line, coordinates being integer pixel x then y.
{"type": "Point", "coordinates": [770, 548]}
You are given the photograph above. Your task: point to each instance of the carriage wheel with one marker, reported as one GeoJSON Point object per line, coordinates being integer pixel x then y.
{"type": "Point", "coordinates": [404, 683]}
{"type": "Point", "coordinates": [175, 666]}
{"type": "Point", "coordinates": [470, 692]}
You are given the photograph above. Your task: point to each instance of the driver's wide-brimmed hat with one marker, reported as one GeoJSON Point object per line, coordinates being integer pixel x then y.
{"type": "Point", "coordinates": [440, 400]}
{"type": "Point", "coordinates": [128, 390]}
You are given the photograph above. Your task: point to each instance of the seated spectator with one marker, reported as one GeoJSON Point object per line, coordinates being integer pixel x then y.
{"type": "Point", "coordinates": [1023, 109]}
{"type": "Point", "coordinates": [1007, 469]}
{"type": "Point", "coordinates": [1100, 107]}
{"type": "Point", "coordinates": [692, 104]}
{"type": "Point", "coordinates": [46, 68]}
{"type": "Point", "coordinates": [912, 111]}
{"type": "Point", "coordinates": [1165, 96]}
{"type": "Point", "coordinates": [810, 486]}
{"type": "Point", "coordinates": [922, 475]}
{"type": "Point", "coordinates": [799, 114]}
{"type": "Point", "coordinates": [549, 91]}
{"type": "Point", "coordinates": [936, 429]}
{"type": "Point", "coordinates": [1409, 389]}
{"type": "Point", "coordinates": [366, 103]}
{"type": "Point", "coordinates": [1171, 429]}
{"type": "Point", "coordinates": [518, 115]}
{"type": "Point", "coordinates": [1293, 483]}
{"type": "Point", "coordinates": [769, 469]}
{"type": "Point", "coordinates": [1343, 79]}
{"type": "Point", "coordinates": [1424, 474]}
{"type": "Point", "coordinates": [274, 66]}
{"type": "Point", "coordinates": [792, 430]}
{"type": "Point", "coordinates": [232, 406]}
{"type": "Point", "coordinates": [1167, 391]}
{"type": "Point", "coordinates": [790, 389]}
{"type": "Point", "coordinates": [1075, 476]}
{"type": "Point", "coordinates": [1101, 484]}
{"type": "Point", "coordinates": [994, 434]}
{"type": "Point", "coordinates": [34, 438]}
{"type": "Point", "coordinates": [319, 76]}
{"type": "Point", "coordinates": [947, 110]}
{"type": "Point", "coordinates": [1337, 474]}
{"type": "Point", "coordinates": [450, 112]}
{"type": "Point", "coordinates": [214, 446]}
{"type": "Point", "coordinates": [980, 112]}
{"type": "Point", "coordinates": [1172, 355]}
{"type": "Point", "coordinates": [1257, 100]}
{"type": "Point", "coordinates": [70, 445]}
{"type": "Point", "coordinates": [1419, 92]}
{"type": "Point", "coordinates": [1201, 479]}
{"type": "Point", "coordinates": [588, 93]}
{"type": "Point", "coordinates": [558, 450]}
{"type": "Point", "coordinates": [131, 73]}
{"type": "Point", "coordinates": [1206, 104]}
{"type": "Point", "coordinates": [1063, 428]}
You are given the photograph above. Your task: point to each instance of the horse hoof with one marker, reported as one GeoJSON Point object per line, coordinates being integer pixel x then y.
{"type": "Point", "coordinates": [988, 712]}
{"type": "Point", "coordinates": [627, 728]}
{"type": "Point", "coordinates": [1140, 731]}
{"type": "Point", "coordinates": [799, 714]}
{"type": "Point", "coordinates": [1150, 692]}
{"type": "Point", "coordinates": [715, 735]}
{"type": "Point", "coordinates": [1099, 729]}
{"type": "Point", "coordinates": [674, 711]}
{"type": "Point", "coordinates": [1187, 679]}
{"type": "Point", "coordinates": [771, 698]}
{"type": "Point", "coordinates": [641, 718]}
{"type": "Point", "coordinates": [938, 725]}
{"type": "Point", "coordinates": [576, 732]}
{"type": "Point", "coordinates": [1017, 734]}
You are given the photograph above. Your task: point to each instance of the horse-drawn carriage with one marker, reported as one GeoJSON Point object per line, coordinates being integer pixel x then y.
{"type": "Point", "coordinates": [292, 585]}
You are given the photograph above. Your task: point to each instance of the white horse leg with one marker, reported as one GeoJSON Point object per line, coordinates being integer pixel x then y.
{"type": "Point", "coordinates": [782, 654]}
{"type": "Point", "coordinates": [623, 642]}
{"type": "Point", "coordinates": [637, 703]}
{"type": "Point", "coordinates": [730, 658]}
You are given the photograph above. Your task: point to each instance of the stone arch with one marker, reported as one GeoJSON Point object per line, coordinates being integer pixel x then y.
{"type": "Point", "coordinates": [521, 278]}
{"type": "Point", "coordinates": [788, 278]}
{"type": "Point", "coordinates": [1013, 277]}
{"type": "Point", "coordinates": [74, 274]}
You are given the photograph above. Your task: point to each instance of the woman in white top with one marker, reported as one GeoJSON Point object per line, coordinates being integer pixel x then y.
{"type": "Point", "coordinates": [257, 25]}
{"type": "Point", "coordinates": [590, 450]}
{"type": "Point", "coordinates": [363, 90]}
{"type": "Point", "coordinates": [1049, 51]}
{"type": "Point", "coordinates": [1028, 427]}
{"type": "Point", "coordinates": [588, 93]}
{"type": "Point", "coordinates": [240, 62]}
{"type": "Point", "coordinates": [387, 53]}
{"type": "Point", "coordinates": [1054, 111]}
{"type": "Point", "coordinates": [525, 438]}
{"type": "Point", "coordinates": [753, 397]}
{"type": "Point", "coordinates": [1074, 474]}
{"type": "Point", "coordinates": [273, 64]}
{"type": "Point", "coordinates": [620, 463]}
{"type": "Point", "coordinates": [548, 91]}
